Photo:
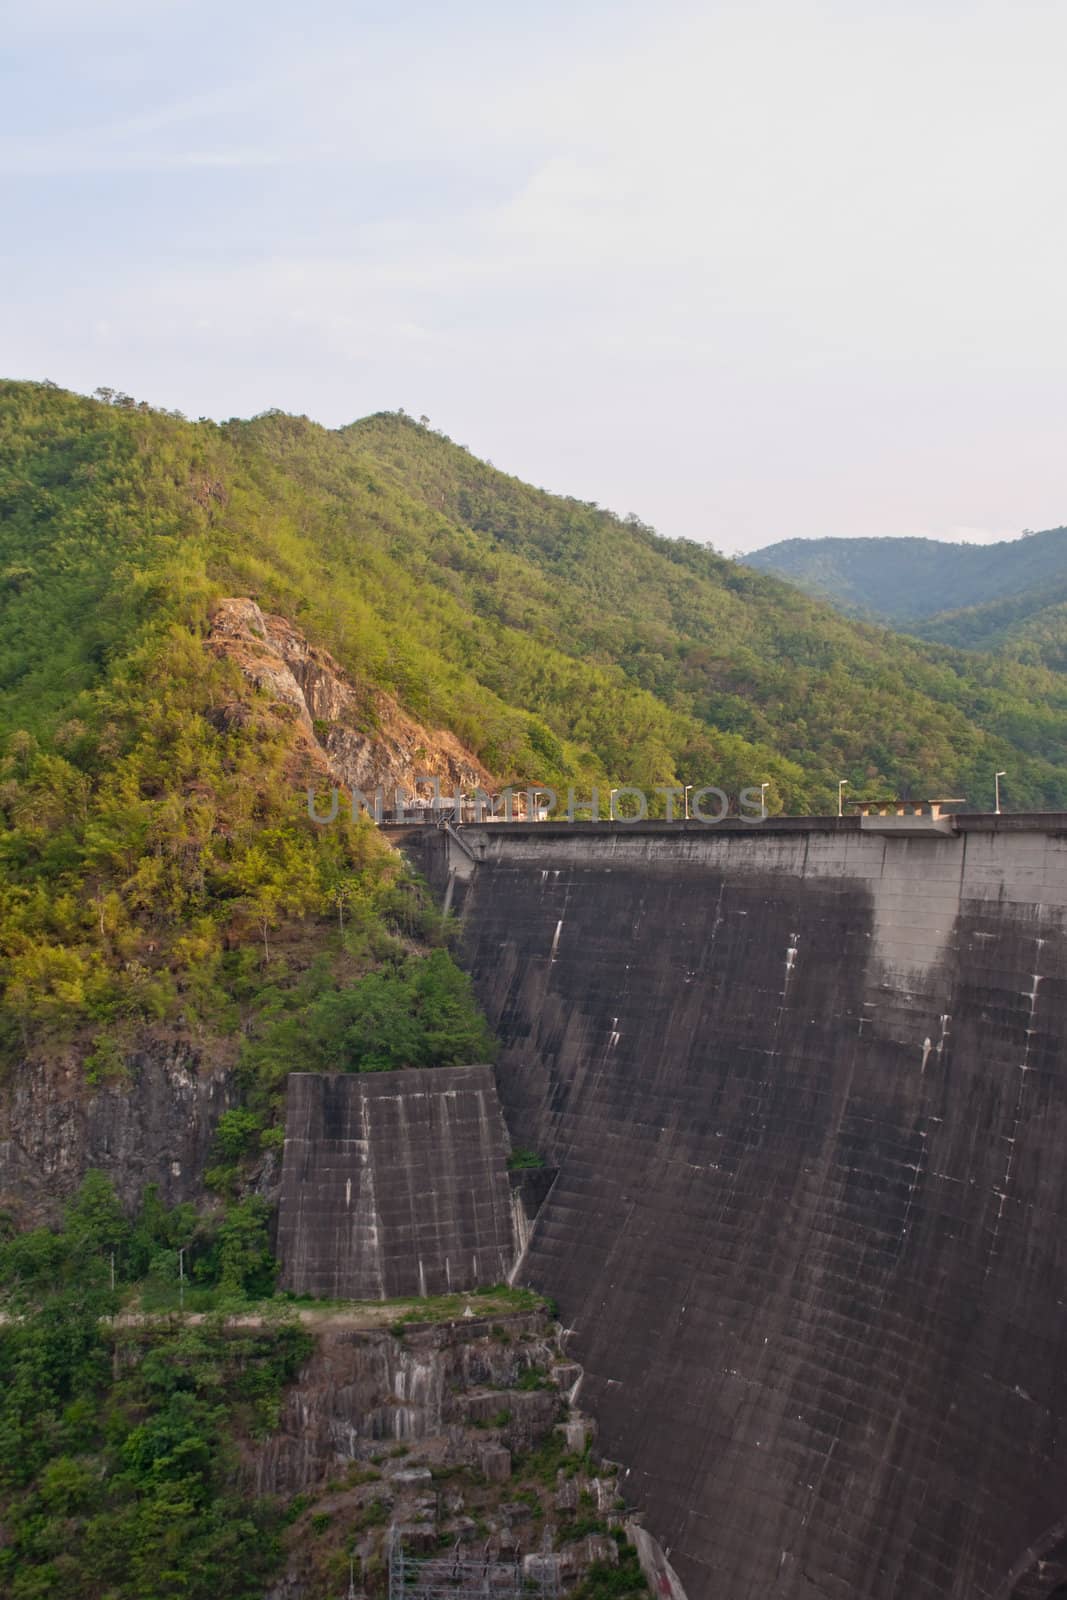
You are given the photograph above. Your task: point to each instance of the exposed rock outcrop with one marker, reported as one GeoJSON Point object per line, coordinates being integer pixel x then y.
{"type": "Point", "coordinates": [458, 1441]}
{"type": "Point", "coordinates": [154, 1125]}
{"type": "Point", "coordinates": [363, 1391]}
{"type": "Point", "coordinates": [352, 735]}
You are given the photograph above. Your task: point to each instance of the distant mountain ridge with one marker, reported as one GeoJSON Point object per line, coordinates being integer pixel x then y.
{"type": "Point", "coordinates": [1010, 596]}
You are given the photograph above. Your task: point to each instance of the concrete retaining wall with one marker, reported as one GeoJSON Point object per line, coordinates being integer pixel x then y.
{"type": "Point", "coordinates": [394, 1184]}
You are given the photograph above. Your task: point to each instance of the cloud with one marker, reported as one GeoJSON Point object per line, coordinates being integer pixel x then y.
{"type": "Point", "coordinates": [749, 270]}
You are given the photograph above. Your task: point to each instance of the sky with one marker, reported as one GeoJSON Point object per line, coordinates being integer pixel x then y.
{"type": "Point", "coordinates": [751, 270]}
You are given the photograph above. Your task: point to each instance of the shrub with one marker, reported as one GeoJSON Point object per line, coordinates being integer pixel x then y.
{"type": "Point", "coordinates": [236, 1132]}
{"type": "Point", "coordinates": [524, 1160]}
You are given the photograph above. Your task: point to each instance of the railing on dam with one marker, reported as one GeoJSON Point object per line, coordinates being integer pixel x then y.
{"type": "Point", "coordinates": [425, 820]}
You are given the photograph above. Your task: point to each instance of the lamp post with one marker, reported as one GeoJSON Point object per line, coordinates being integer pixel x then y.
{"type": "Point", "coordinates": [685, 799]}
{"type": "Point", "coordinates": [611, 804]}
{"type": "Point", "coordinates": [996, 790]}
{"type": "Point", "coordinates": [842, 785]}
{"type": "Point", "coordinates": [763, 799]}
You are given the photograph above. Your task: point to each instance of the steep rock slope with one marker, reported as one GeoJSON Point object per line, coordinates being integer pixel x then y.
{"type": "Point", "coordinates": [151, 1126]}
{"type": "Point", "coordinates": [355, 736]}
{"type": "Point", "coordinates": [465, 1439]}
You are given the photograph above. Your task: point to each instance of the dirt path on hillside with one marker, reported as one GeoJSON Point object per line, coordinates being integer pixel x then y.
{"type": "Point", "coordinates": [361, 1315]}
{"type": "Point", "coordinates": [357, 1315]}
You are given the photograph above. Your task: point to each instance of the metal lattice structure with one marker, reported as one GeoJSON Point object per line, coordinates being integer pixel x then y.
{"type": "Point", "coordinates": [457, 1577]}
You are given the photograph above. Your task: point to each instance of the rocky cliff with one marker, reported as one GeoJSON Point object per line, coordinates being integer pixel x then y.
{"type": "Point", "coordinates": [460, 1439]}
{"type": "Point", "coordinates": [349, 734]}
{"type": "Point", "coordinates": [152, 1124]}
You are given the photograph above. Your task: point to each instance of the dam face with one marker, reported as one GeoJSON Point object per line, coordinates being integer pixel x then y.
{"type": "Point", "coordinates": [804, 1087]}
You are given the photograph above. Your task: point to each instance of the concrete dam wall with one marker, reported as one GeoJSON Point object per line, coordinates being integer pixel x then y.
{"type": "Point", "coordinates": [394, 1184]}
{"type": "Point", "coordinates": [805, 1086]}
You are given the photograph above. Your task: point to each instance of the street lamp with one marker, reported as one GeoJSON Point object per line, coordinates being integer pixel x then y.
{"type": "Point", "coordinates": [842, 785]}
{"type": "Point", "coordinates": [763, 799]}
{"type": "Point", "coordinates": [996, 788]}
{"type": "Point", "coordinates": [611, 805]}
{"type": "Point", "coordinates": [685, 799]}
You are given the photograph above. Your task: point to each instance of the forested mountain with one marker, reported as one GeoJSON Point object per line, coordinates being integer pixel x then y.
{"type": "Point", "coordinates": [1010, 596]}
{"type": "Point", "coordinates": [555, 640]}
{"type": "Point", "coordinates": [1030, 627]}
{"type": "Point", "coordinates": [144, 827]}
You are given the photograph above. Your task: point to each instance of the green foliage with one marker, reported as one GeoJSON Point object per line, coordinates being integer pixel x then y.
{"type": "Point", "coordinates": [547, 1459]}
{"type": "Point", "coordinates": [241, 1259]}
{"type": "Point", "coordinates": [605, 1580]}
{"type": "Point", "coordinates": [118, 1444]}
{"type": "Point", "coordinates": [534, 1378]}
{"type": "Point", "coordinates": [148, 842]}
{"type": "Point", "coordinates": [1009, 597]}
{"type": "Point", "coordinates": [94, 1218]}
{"type": "Point", "coordinates": [523, 1160]}
{"type": "Point", "coordinates": [414, 1011]}
{"type": "Point", "coordinates": [582, 1527]}
{"type": "Point", "coordinates": [1030, 627]}
{"type": "Point", "coordinates": [157, 1234]}
{"type": "Point", "coordinates": [236, 1132]}
{"type": "Point", "coordinates": [909, 581]}
{"type": "Point", "coordinates": [375, 1514]}
{"type": "Point", "coordinates": [421, 1013]}
{"type": "Point", "coordinates": [100, 1249]}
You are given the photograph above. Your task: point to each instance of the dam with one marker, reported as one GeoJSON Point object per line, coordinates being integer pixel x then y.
{"type": "Point", "coordinates": [801, 1087]}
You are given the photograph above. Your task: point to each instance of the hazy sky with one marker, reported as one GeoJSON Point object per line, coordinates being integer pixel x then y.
{"type": "Point", "coordinates": [751, 270]}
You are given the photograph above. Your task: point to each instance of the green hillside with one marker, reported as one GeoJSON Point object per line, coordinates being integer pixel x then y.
{"type": "Point", "coordinates": [1030, 627]}
{"type": "Point", "coordinates": [556, 640]}
{"type": "Point", "coordinates": [1005, 596]}
{"type": "Point", "coordinates": [148, 847]}
{"type": "Point", "coordinates": [646, 659]}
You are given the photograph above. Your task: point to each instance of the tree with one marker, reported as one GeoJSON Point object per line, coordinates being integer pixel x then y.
{"type": "Point", "coordinates": [246, 1267]}
{"type": "Point", "coordinates": [95, 1219]}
